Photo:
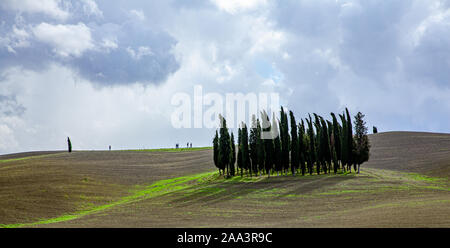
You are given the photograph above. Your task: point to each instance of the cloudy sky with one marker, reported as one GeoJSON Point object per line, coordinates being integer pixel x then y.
{"type": "Point", "coordinates": [103, 72]}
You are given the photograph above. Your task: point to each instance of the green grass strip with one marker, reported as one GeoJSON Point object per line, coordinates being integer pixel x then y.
{"type": "Point", "coordinates": [156, 189]}
{"type": "Point", "coordinates": [171, 149]}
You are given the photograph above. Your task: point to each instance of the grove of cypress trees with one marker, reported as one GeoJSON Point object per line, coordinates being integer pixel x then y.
{"type": "Point", "coordinates": [323, 143]}
{"type": "Point", "coordinates": [294, 144]}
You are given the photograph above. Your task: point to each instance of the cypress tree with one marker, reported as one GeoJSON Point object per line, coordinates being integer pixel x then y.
{"type": "Point", "coordinates": [268, 144]}
{"type": "Point", "coordinates": [354, 155]}
{"type": "Point", "coordinates": [253, 146]}
{"type": "Point", "coordinates": [325, 142]}
{"type": "Point", "coordinates": [216, 150]}
{"type": "Point", "coordinates": [69, 144]}
{"type": "Point", "coordinates": [311, 149]}
{"type": "Point", "coordinates": [224, 146]}
{"type": "Point", "coordinates": [260, 149]}
{"type": "Point", "coordinates": [302, 146]}
{"type": "Point", "coordinates": [284, 133]}
{"type": "Point", "coordinates": [239, 155]}
{"type": "Point", "coordinates": [344, 140]}
{"type": "Point", "coordinates": [336, 140]}
{"type": "Point", "coordinates": [332, 147]}
{"type": "Point", "coordinates": [319, 145]}
{"type": "Point", "coordinates": [232, 155]}
{"type": "Point", "coordinates": [375, 129]}
{"type": "Point", "coordinates": [294, 144]}
{"type": "Point", "coordinates": [277, 147]}
{"type": "Point", "coordinates": [349, 137]}
{"type": "Point", "coordinates": [245, 149]}
{"type": "Point", "coordinates": [361, 143]}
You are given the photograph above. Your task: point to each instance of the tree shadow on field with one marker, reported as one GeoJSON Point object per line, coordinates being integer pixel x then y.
{"type": "Point", "coordinates": [275, 187]}
{"type": "Point", "coordinates": [316, 183]}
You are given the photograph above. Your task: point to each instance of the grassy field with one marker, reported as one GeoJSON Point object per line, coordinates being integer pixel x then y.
{"type": "Point", "coordinates": [174, 149]}
{"type": "Point", "coordinates": [155, 189]}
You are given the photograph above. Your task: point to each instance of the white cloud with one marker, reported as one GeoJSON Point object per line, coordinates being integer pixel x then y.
{"type": "Point", "coordinates": [138, 14]}
{"type": "Point", "coordinates": [17, 38]}
{"type": "Point", "coordinates": [67, 40]}
{"type": "Point", "coordinates": [109, 44]}
{"type": "Point", "coordinates": [8, 142]}
{"type": "Point", "coordinates": [350, 53]}
{"type": "Point", "coordinates": [235, 6]}
{"type": "Point", "coordinates": [49, 7]}
{"type": "Point", "coordinates": [140, 52]}
{"type": "Point", "coordinates": [90, 8]}
{"type": "Point", "coordinates": [438, 17]}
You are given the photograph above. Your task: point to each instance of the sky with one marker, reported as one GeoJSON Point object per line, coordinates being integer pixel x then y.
{"type": "Point", "coordinates": [105, 72]}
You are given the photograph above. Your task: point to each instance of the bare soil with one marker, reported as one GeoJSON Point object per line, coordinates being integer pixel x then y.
{"type": "Point", "coordinates": [405, 184]}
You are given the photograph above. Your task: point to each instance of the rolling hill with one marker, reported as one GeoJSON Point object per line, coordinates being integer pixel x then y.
{"type": "Point", "coordinates": [405, 184]}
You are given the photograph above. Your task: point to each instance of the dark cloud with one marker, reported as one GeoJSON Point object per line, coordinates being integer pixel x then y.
{"type": "Point", "coordinates": [141, 55]}
{"type": "Point", "coordinates": [121, 53]}
{"type": "Point", "coordinates": [371, 35]}
{"type": "Point", "coordinates": [429, 60]}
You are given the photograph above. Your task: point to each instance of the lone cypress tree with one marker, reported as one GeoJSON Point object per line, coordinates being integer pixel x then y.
{"type": "Point", "coordinates": [232, 155]}
{"type": "Point", "coordinates": [216, 150]}
{"type": "Point", "coordinates": [224, 146]}
{"type": "Point", "coordinates": [375, 129]}
{"type": "Point", "coordinates": [69, 144]}
{"type": "Point", "coordinates": [294, 144]}
{"type": "Point", "coordinates": [361, 143]}
{"type": "Point", "coordinates": [253, 146]}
